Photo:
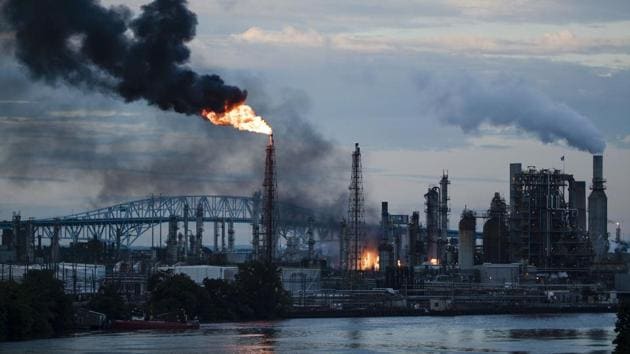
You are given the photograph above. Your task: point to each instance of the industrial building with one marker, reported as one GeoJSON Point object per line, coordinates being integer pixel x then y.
{"type": "Point", "coordinates": [544, 220]}
{"type": "Point", "coordinates": [545, 234]}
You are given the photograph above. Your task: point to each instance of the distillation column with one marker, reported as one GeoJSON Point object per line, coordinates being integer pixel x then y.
{"type": "Point", "coordinates": [199, 232]}
{"type": "Point", "coordinates": [467, 226]}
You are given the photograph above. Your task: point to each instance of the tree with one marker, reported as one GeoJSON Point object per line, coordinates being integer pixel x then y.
{"type": "Point", "coordinates": [260, 291]}
{"type": "Point", "coordinates": [223, 300]}
{"type": "Point", "coordinates": [172, 292]}
{"type": "Point", "coordinates": [36, 308]}
{"type": "Point", "coordinates": [109, 302]}
{"type": "Point", "coordinates": [52, 307]}
{"type": "Point", "coordinates": [622, 328]}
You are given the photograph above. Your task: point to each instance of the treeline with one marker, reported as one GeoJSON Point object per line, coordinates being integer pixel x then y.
{"type": "Point", "coordinates": [38, 307]}
{"type": "Point", "coordinates": [35, 308]}
{"type": "Point", "coordinates": [257, 293]}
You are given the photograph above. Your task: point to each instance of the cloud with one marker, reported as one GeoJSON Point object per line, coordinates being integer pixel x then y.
{"type": "Point", "coordinates": [292, 36]}
{"type": "Point", "coordinates": [535, 11]}
{"type": "Point", "coordinates": [361, 44]}
{"type": "Point", "coordinates": [561, 42]}
{"type": "Point", "coordinates": [548, 44]}
{"type": "Point", "coordinates": [289, 35]}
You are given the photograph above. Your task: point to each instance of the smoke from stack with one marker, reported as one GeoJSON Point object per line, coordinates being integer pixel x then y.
{"type": "Point", "coordinates": [84, 44]}
{"type": "Point", "coordinates": [469, 102]}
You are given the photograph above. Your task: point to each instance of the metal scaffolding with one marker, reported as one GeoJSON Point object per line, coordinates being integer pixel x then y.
{"type": "Point", "coordinates": [543, 227]}
{"type": "Point", "coordinates": [356, 223]}
{"type": "Point", "coordinates": [270, 241]}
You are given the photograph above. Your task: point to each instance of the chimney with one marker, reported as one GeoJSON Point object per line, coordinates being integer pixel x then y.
{"type": "Point", "coordinates": [598, 211]}
{"type": "Point", "coordinates": [598, 168]}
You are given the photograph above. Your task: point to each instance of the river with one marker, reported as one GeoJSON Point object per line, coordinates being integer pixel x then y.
{"type": "Point", "coordinates": [566, 333]}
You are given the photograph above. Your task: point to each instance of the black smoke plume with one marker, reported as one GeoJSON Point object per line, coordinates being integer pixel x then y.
{"type": "Point", "coordinates": [82, 43]}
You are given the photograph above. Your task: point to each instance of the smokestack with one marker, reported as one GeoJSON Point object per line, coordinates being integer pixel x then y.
{"type": "Point", "coordinates": [269, 201]}
{"type": "Point", "coordinates": [598, 210]}
{"type": "Point", "coordinates": [598, 168]}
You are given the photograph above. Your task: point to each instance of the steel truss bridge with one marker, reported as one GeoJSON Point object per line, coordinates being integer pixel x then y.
{"type": "Point", "coordinates": [126, 222]}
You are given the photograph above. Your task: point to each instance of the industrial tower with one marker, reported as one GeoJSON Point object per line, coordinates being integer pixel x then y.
{"type": "Point", "coordinates": [598, 210]}
{"type": "Point", "coordinates": [356, 212]}
{"type": "Point", "coordinates": [269, 198]}
{"type": "Point", "coordinates": [444, 210]}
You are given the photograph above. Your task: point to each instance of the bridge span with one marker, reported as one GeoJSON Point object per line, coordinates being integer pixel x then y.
{"type": "Point", "coordinates": [126, 222]}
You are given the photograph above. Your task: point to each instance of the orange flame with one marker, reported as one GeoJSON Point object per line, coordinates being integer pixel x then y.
{"type": "Point", "coordinates": [369, 261]}
{"type": "Point", "coordinates": [241, 117]}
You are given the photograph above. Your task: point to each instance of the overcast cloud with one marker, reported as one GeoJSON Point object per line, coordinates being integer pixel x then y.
{"type": "Point", "coordinates": [328, 74]}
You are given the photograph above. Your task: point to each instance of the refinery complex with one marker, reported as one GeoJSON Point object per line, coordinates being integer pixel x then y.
{"type": "Point", "coordinates": [544, 247]}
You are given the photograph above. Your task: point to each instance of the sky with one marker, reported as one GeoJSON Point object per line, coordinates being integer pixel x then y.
{"type": "Point", "coordinates": [423, 86]}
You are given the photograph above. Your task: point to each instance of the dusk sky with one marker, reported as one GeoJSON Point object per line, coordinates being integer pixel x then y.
{"type": "Point", "coordinates": [426, 86]}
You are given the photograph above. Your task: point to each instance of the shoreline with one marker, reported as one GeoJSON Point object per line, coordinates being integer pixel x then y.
{"type": "Point", "coordinates": [453, 312]}
{"type": "Point", "coordinates": [364, 314]}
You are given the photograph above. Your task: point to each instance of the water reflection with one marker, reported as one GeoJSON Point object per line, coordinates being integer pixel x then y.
{"type": "Point", "coordinates": [354, 332]}
{"type": "Point", "coordinates": [543, 334]}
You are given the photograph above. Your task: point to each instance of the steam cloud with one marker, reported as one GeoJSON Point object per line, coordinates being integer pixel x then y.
{"type": "Point", "coordinates": [85, 44]}
{"type": "Point", "coordinates": [469, 102]}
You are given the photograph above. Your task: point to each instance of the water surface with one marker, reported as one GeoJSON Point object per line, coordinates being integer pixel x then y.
{"type": "Point", "coordinates": [567, 333]}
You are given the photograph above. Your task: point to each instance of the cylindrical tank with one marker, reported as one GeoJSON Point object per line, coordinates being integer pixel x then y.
{"type": "Point", "coordinates": [467, 227]}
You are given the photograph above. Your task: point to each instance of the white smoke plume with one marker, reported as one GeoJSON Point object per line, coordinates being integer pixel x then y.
{"type": "Point", "coordinates": [469, 101]}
